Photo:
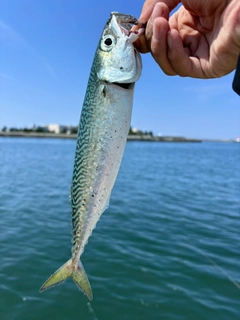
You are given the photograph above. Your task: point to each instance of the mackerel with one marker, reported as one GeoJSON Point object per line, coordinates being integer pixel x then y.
{"type": "Point", "coordinates": [102, 134]}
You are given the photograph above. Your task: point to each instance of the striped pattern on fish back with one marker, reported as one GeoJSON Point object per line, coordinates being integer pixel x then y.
{"type": "Point", "coordinates": [80, 182]}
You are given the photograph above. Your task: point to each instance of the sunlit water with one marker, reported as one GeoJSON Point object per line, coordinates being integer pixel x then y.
{"type": "Point", "coordinates": [168, 247]}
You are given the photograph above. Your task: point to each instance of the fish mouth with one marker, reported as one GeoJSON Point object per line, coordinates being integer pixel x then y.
{"type": "Point", "coordinates": [126, 23]}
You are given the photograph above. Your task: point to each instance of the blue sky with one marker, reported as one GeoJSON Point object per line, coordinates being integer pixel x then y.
{"type": "Point", "coordinates": [46, 51]}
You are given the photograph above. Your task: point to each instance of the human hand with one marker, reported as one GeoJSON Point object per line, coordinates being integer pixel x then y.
{"type": "Point", "coordinates": [200, 40]}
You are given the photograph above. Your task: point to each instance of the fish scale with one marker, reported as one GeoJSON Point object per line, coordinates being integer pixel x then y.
{"type": "Point", "coordinates": [102, 134]}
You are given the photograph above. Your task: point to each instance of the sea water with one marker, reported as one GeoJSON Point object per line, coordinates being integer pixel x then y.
{"type": "Point", "coordinates": [168, 247]}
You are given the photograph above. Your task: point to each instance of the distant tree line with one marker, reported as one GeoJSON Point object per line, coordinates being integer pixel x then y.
{"type": "Point", "coordinates": [14, 129]}
{"type": "Point", "coordinates": [72, 130]}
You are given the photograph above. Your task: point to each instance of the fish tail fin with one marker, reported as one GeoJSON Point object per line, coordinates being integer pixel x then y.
{"type": "Point", "coordinates": [66, 271]}
{"type": "Point", "coordinates": [81, 280]}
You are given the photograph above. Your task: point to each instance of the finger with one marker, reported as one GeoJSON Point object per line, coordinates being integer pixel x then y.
{"type": "Point", "coordinates": [160, 10]}
{"type": "Point", "coordinates": [147, 10]}
{"type": "Point", "coordinates": [143, 44]}
{"type": "Point", "coordinates": [159, 46]}
{"type": "Point", "coordinates": [150, 4]}
{"type": "Point", "coordinates": [180, 61]}
{"type": "Point", "coordinates": [140, 43]}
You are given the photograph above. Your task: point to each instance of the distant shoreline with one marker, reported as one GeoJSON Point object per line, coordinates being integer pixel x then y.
{"type": "Point", "coordinates": [130, 137]}
{"type": "Point", "coordinates": [20, 134]}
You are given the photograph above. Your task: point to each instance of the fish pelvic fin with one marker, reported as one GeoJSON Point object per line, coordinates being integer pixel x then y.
{"type": "Point", "coordinates": [66, 271]}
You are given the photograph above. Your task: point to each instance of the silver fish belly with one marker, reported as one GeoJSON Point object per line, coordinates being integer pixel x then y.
{"type": "Point", "coordinates": [102, 134]}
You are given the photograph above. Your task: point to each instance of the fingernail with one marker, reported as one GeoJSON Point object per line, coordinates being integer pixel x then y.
{"type": "Point", "coordinates": [170, 40]}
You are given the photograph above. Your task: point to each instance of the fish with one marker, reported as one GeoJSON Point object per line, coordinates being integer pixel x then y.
{"type": "Point", "coordinates": [102, 134]}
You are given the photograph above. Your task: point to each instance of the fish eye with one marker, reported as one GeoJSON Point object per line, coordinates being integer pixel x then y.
{"type": "Point", "coordinates": [108, 42]}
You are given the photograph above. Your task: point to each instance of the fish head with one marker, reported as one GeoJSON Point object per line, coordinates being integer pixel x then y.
{"type": "Point", "coordinates": [118, 61]}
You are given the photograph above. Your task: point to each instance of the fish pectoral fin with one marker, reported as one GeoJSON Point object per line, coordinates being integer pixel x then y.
{"type": "Point", "coordinates": [66, 271]}
{"type": "Point", "coordinates": [81, 280]}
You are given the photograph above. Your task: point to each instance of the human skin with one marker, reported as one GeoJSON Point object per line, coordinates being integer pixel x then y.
{"type": "Point", "coordinates": [200, 40]}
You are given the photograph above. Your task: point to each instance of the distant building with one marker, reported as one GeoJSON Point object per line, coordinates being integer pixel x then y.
{"type": "Point", "coordinates": [57, 128]}
{"type": "Point", "coordinates": [134, 130]}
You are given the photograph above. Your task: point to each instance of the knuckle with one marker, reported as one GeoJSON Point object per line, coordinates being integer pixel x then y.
{"type": "Point", "coordinates": [170, 73]}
